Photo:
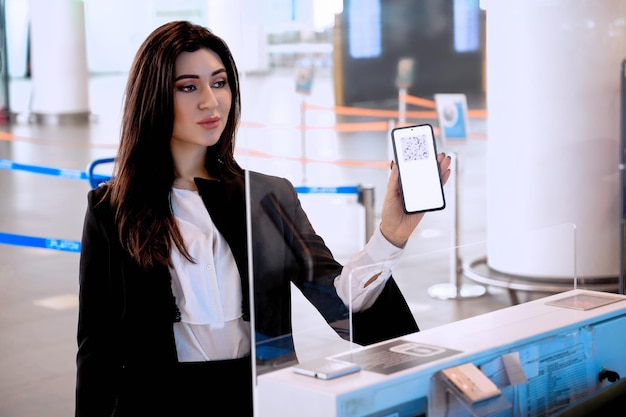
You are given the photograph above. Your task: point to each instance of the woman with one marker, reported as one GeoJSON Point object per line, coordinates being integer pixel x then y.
{"type": "Point", "coordinates": [164, 316]}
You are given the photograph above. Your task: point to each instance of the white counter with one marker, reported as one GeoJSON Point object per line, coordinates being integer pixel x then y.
{"type": "Point", "coordinates": [558, 347]}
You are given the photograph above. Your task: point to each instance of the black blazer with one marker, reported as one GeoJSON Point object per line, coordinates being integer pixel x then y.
{"type": "Point", "coordinates": [126, 314]}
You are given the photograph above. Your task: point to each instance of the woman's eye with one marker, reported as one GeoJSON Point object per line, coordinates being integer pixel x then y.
{"type": "Point", "coordinates": [219, 84]}
{"type": "Point", "coordinates": [187, 88]}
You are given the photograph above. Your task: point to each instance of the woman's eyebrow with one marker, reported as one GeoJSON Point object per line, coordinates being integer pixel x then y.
{"type": "Point", "coordinates": [214, 73]}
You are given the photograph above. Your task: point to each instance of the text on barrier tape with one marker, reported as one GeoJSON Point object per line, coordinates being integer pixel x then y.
{"type": "Point", "coordinates": [40, 242]}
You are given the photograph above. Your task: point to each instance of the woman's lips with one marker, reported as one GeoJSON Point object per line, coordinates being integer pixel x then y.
{"type": "Point", "coordinates": [210, 123]}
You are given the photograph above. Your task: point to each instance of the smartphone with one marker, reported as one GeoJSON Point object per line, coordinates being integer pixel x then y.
{"type": "Point", "coordinates": [326, 368]}
{"type": "Point", "coordinates": [415, 153]}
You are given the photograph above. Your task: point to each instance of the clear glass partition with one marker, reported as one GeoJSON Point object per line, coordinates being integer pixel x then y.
{"type": "Point", "coordinates": [373, 338]}
{"type": "Point", "coordinates": [424, 262]}
{"type": "Point", "coordinates": [300, 237]}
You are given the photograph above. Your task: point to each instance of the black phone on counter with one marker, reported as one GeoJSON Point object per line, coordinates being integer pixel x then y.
{"type": "Point", "coordinates": [415, 153]}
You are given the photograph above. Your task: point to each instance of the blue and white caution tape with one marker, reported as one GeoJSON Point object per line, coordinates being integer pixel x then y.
{"type": "Point", "coordinates": [40, 242]}
{"type": "Point", "coordinates": [72, 174]}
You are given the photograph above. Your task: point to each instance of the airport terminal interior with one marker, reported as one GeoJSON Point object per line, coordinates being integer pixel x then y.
{"type": "Point", "coordinates": [309, 114]}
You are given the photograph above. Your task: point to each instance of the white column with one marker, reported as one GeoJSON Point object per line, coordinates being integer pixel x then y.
{"type": "Point", "coordinates": [58, 61]}
{"type": "Point", "coordinates": [553, 196]}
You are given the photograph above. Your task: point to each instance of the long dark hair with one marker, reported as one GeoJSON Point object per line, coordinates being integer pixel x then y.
{"type": "Point", "coordinates": [144, 168]}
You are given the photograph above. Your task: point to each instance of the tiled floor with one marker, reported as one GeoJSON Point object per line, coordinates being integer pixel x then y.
{"type": "Point", "coordinates": [38, 286]}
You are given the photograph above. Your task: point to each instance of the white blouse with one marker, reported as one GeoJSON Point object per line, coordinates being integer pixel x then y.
{"type": "Point", "coordinates": [208, 292]}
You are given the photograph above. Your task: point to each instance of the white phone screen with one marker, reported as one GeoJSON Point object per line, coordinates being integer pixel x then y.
{"type": "Point", "coordinates": [420, 181]}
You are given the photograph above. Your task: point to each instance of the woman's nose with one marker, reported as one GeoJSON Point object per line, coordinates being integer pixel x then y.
{"type": "Point", "coordinates": [207, 99]}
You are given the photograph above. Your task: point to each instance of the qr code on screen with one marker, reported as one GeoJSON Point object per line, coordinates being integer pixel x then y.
{"type": "Point", "coordinates": [414, 148]}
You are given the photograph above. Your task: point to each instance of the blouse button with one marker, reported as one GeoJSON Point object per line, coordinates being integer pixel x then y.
{"type": "Point", "coordinates": [209, 267]}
